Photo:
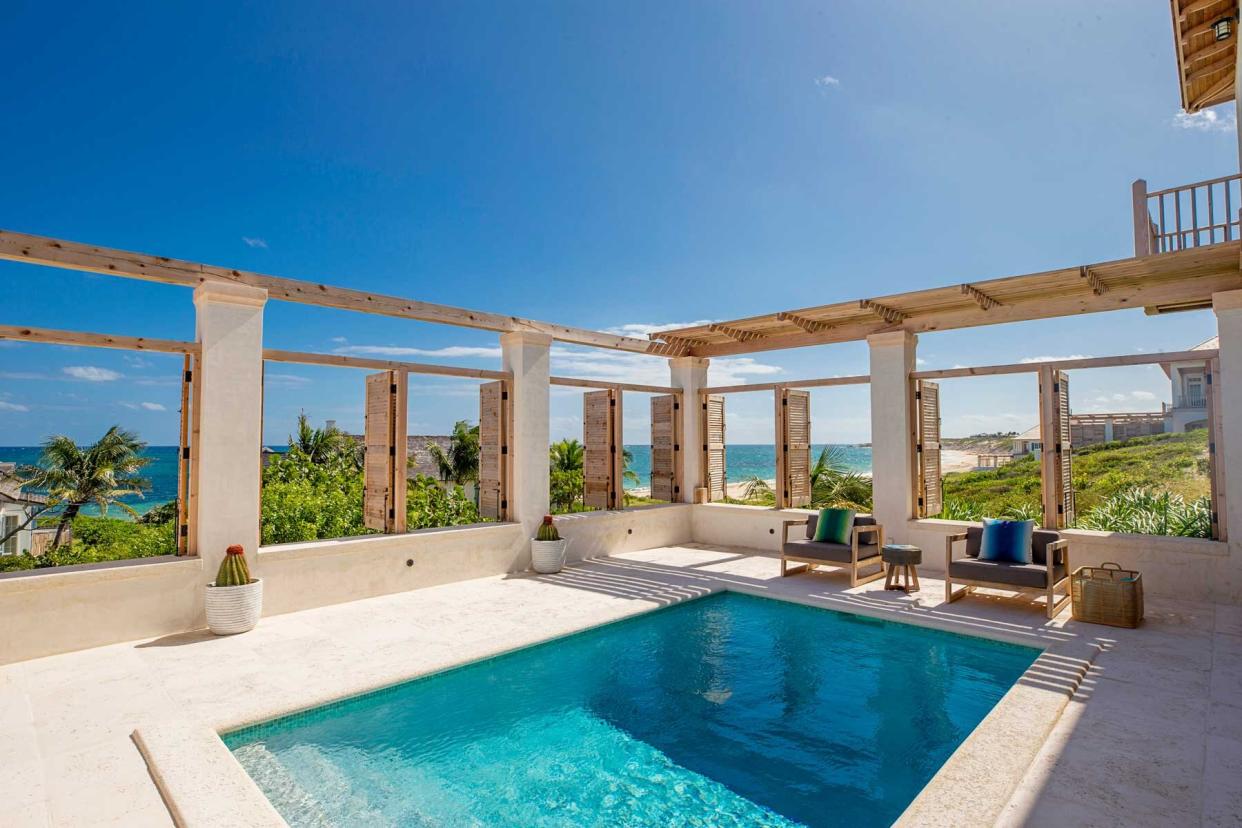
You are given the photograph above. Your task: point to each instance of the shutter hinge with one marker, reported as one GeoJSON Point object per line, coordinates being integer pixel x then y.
{"type": "Point", "coordinates": [185, 531]}
{"type": "Point", "coordinates": [918, 395]}
{"type": "Point", "coordinates": [504, 395]}
{"type": "Point", "coordinates": [705, 447]}
{"type": "Point", "coordinates": [612, 402]}
{"type": "Point", "coordinates": [392, 513]}
{"type": "Point", "coordinates": [704, 406]}
{"type": "Point", "coordinates": [185, 452]}
{"type": "Point", "coordinates": [1056, 388]}
{"type": "Point", "coordinates": [504, 504]}
{"type": "Point", "coordinates": [392, 451]}
{"type": "Point", "coordinates": [676, 406]}
{"type": "Point", "coordinates": [677, 490]}
{"type": "Point", "coordinates": [504, 449]}
{"type": "Point", "coordinates": [676, 446]}
{"type": "Point", "coordinates": [189, 376]}
{"type": "Point", "coordinates": [392, 389]}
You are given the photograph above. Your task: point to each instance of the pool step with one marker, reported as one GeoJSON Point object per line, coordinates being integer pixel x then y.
{"type": "Point", "coordinates": [294, 803]}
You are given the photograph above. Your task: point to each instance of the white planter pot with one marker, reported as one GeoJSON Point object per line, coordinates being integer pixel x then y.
{"type": "Point", "coordinates": [234, 609]}
{"type": "Point", "coordinates": [547, 557]}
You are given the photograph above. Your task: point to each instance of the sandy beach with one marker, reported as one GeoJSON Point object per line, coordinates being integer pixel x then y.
{"type": "Point", "coordinates": [951, 460]}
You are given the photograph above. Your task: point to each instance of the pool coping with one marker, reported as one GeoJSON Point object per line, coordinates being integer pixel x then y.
{"type": "Point", "coordinates": [202, 783]}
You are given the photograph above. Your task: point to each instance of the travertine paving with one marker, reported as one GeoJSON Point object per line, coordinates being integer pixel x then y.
{"type": "Point", "coordinates": [1151, 736]}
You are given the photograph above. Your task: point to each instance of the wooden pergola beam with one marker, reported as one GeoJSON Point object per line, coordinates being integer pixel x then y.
{"type": "Point", "coordinates": [674, 345]}
{"type": "Point", "coordinates": [982, 299]}
{"type": "Point", "coordinates": [736, 334]}
{"type": "Point", "coordinates": [1093, 279]}
{"type": "Point", "coordinates": [40, 250]}
{"type": "Point", "coordinates": [342, 361]}
{"type": "Point", "coordinates": [808, 325]}
{"type": "Point", "coordinates": [50, 336]}
{"type": "Point", "coordinates": [578, 382]}
{"type": "Point", "coordinates": [890, 315]}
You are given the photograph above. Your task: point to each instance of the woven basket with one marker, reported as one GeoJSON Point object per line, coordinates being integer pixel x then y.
{"type": "Point", "coordinates": [234, 609]}
{"type": "Point", "coordinates": [1107, 594]}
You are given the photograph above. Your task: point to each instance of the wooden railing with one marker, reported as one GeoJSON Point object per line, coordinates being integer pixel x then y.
{"type": "Point", "coordinates": [1193, 215]}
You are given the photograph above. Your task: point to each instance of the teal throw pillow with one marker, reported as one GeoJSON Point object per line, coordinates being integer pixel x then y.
{"type": "Point", "coordinates": [1006, 541]}
{"type": "Point", "coordinates": [834, 525]}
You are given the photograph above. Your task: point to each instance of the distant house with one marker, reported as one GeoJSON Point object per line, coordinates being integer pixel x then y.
{"type": "Point", "coordinates": [16, 507]}
{"type": "Point", "coordinates": [1188, 410]}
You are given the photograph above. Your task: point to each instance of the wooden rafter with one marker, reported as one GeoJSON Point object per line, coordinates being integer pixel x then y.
{"type": "Point", "coordinates": [1212, 68]}
{"type": "Point", "coordinates": [736, 334]}
{"type": "Point", "coordinates": [984, 301]}
{"type": "Point", "coordinates": [40, 250]}
{"type": "Point", "coordinates": [1205, 66]}
{"type": "Point", "coordinates": [673, 345]}
{"type": "Point", "coordinates": [890, 315]}
{"type": "Point", "coordinates": [93, 340]}
{"type": "Point", "coordinates": [1212, 49]}
{"type": "Point", "coordinates": [1092, 278]}
{"type": "Point", "coordinates": [1221, 87]}
{"type": "Point", "coordinates": [808, 325]}
{"type": "Point", "coordinates": [1193, 6]}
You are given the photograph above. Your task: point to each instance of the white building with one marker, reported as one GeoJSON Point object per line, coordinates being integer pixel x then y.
{"type": "Point", "coordinates": [15, 509]}
{"type": "Point", "coordinates": [1188, 410]}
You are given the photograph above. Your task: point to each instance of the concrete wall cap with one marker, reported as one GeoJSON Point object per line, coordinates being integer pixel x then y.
{"type": "Point", "coordinates": [230, 293]}
{"type": "Point", "coordinates": [902, 337]}
{"type": "Point", "coordinates": [525, 338]}
{"type": "Point", "coordinates": [1227, 300]}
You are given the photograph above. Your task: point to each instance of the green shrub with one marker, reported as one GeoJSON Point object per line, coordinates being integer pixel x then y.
{"type": "Point", "coordinates": [1146, 512]}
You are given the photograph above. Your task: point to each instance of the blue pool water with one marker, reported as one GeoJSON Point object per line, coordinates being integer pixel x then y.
{"type": "Point", "coordinates": [722, 711]}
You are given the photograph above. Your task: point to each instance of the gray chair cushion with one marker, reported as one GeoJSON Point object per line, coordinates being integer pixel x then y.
{"type": "Point", "coordinates": [859, 520]}
{"type": "Point", "coordinates": [828, 552]}
{"type": "Point", "coordinates": [1027, 576]}
{"type": "Point", "coordinates": [1040, 539]}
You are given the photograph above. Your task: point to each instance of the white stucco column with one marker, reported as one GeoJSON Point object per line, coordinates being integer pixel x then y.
{"type": "Point", "coordinates": [527, 356]}
{"type": "Point", "coordinates": [230, 411]}
{"type": "Point", "coordinates": [690, 374]}
{"type": "Point", "coordinates": [892, 360]}
{"type": "Point", "coordinates": [1228, 308]}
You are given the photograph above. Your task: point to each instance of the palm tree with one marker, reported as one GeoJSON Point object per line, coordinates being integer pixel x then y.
{"type": "Point", "coordinates": [627, 460]}
{"type": "Point", "coordinates": [834, 484]}
{"type": "Point", "coordinates": [318, 444]}
{"type": "Point", "coordinates": [100, 474]}
{"type": "Point", "coordinates": [566, 455]}
{"type": "Point", "coordinates": [460, 463]}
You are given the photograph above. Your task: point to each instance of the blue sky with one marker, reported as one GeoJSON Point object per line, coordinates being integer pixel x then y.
{"type": "Point", "coordinates": [608, 165]}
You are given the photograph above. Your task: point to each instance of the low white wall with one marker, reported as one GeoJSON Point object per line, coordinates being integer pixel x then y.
{"type": "Point", "coordinates": [49, 611]}
{"type": "Point", "coordinates": [594, 534]}
{"type": "Point", "coordinates": [298, 576]}
{"type": "Point", "coordinates": [1184, 568]}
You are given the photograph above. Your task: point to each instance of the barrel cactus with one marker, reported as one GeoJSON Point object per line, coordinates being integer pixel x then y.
{"type": "Point", "coordinates": [233, 569]}
{"type": "Point", "coordinates": [547, 530]}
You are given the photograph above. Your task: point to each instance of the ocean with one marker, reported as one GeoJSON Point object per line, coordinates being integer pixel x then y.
{"type": "Point", "coordinates": [742, 461]}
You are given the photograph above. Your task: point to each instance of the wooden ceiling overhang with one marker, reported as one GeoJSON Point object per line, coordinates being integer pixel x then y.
{"type": "Point", "coordinates": [1170, 281]}
{"type": "Point", "coordinates": [1206, 67]}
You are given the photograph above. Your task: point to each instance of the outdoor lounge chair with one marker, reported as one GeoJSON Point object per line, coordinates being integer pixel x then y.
{"type": "Point", "coordinates": [863, 550]}
{"type": "Point", "coordinates": [1048, 570]}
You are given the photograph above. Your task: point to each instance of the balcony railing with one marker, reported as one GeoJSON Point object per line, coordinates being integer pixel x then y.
{"type": "Point", "coordinates": [1196, 401]}
{"type": "Point", "coordinates": [1193, 215]}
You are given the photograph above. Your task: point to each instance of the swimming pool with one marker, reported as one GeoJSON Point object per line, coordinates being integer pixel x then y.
{"type": "Point", "coordinates": [727, 710]}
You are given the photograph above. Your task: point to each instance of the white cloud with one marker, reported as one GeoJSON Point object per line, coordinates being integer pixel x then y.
{"type": "Point", "coordinates": [254, 242]}
{"type": "Point", "coordinates": [151, 406]}
{"type": "Point", "coordinates": [1028, 360]}
{"type": "Point", "coordinates": [396, 351]}
{"type": "Point", "coordinates": [339, 340]}
{"type": "Point", "coordinates": [8, 406]}
{"type": "Point", "coordinates": [619, 366]}
{"type": "Point", "coordinates": [21, 375]}
{"type": "Point", "coordinates": [288, 380]}
{"type": "Point", "coordinates": [1206, 120]}
{"type": "Point", "coordinates": [135, 361]}
{"type": "Point", "coordinates": [827, 82]}
{"type": "Point", "coordinates": [91, 373]}
{"type": "Point", "coordinates": [644, 328]}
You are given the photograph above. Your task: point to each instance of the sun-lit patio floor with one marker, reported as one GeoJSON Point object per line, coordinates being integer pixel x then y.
{"type": "Point", "coordinates": [1151, 736]}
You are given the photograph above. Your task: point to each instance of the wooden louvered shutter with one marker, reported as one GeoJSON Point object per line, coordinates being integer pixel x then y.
{"type": "Point", "coordinates": [1216, 449]}
{"type": "Point", "coordinates": [493, 450]}
{"type": "Point", "coordinates": [928, 497]}
{"type": "Point", "coordinates": [184, 477]}
{"type": "Point", "coordinates": [1056, 462]}
{"type": "Point", "coordinates": [665, 448]}
{"type": "Point", "coordinates": [385, 453]}
{"type": "Point", "coordinates": [714, 446]}
{"type": "Point", "coordinates": [794, 448]}
{"type": "Point", "coordinates": [602, 463]}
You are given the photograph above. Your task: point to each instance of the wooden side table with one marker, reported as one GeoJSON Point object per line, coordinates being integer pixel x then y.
{"type": "Point", "coordinates": [902, 560]}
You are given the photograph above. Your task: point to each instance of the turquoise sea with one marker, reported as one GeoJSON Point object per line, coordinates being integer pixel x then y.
{"type": "Point", "coordinates": [161, 471]}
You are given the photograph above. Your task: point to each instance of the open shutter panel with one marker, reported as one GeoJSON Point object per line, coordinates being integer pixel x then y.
{"type": "Point", "coordinates": [714, 446]}
{"type": "Point", "coordinates": [796, 410]}
{"type": "Point", "coordinates": [1216, 450]}
{"type": "Point", "coordinates": [597, 453]}
{"type": "Point", "coordinates": [927, 448]}
{"type": "Point", "coordinates": [377, 497]}
{"type": "Point", "coordinates": [183, 461]}
{"type": "Point", "coordinates": [492, 450]}
{"type": "Point", "coordinates": [663, 448]}
{"type": "Point", "coordinates": [1065, 478]}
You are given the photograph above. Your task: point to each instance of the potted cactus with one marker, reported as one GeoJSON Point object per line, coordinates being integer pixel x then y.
{"type": "Point", "coordinates": [235, 600]}
{"type": "Point", "coordinates": [547, 550]}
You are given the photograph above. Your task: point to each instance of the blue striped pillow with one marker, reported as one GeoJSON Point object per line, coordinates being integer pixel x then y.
{"type": "Point", "coordinates": [1006, 541]}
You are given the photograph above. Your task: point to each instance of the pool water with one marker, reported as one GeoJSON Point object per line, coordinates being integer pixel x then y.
{"type": "Point", "coordinates": [727, 710]}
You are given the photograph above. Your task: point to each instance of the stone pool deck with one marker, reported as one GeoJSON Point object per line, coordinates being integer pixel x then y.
{"type": "Point", "coordinates": [1110, 727]}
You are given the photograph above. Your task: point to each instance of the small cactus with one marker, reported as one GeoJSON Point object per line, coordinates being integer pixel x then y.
{"type": "Point", "coordinates": [547, 530]}
{"type": "Point", "coordinates": [233, 569]}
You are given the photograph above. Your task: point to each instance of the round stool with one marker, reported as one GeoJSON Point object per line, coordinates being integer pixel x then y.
{"type": "Point", "coordinates": [902, 559]}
